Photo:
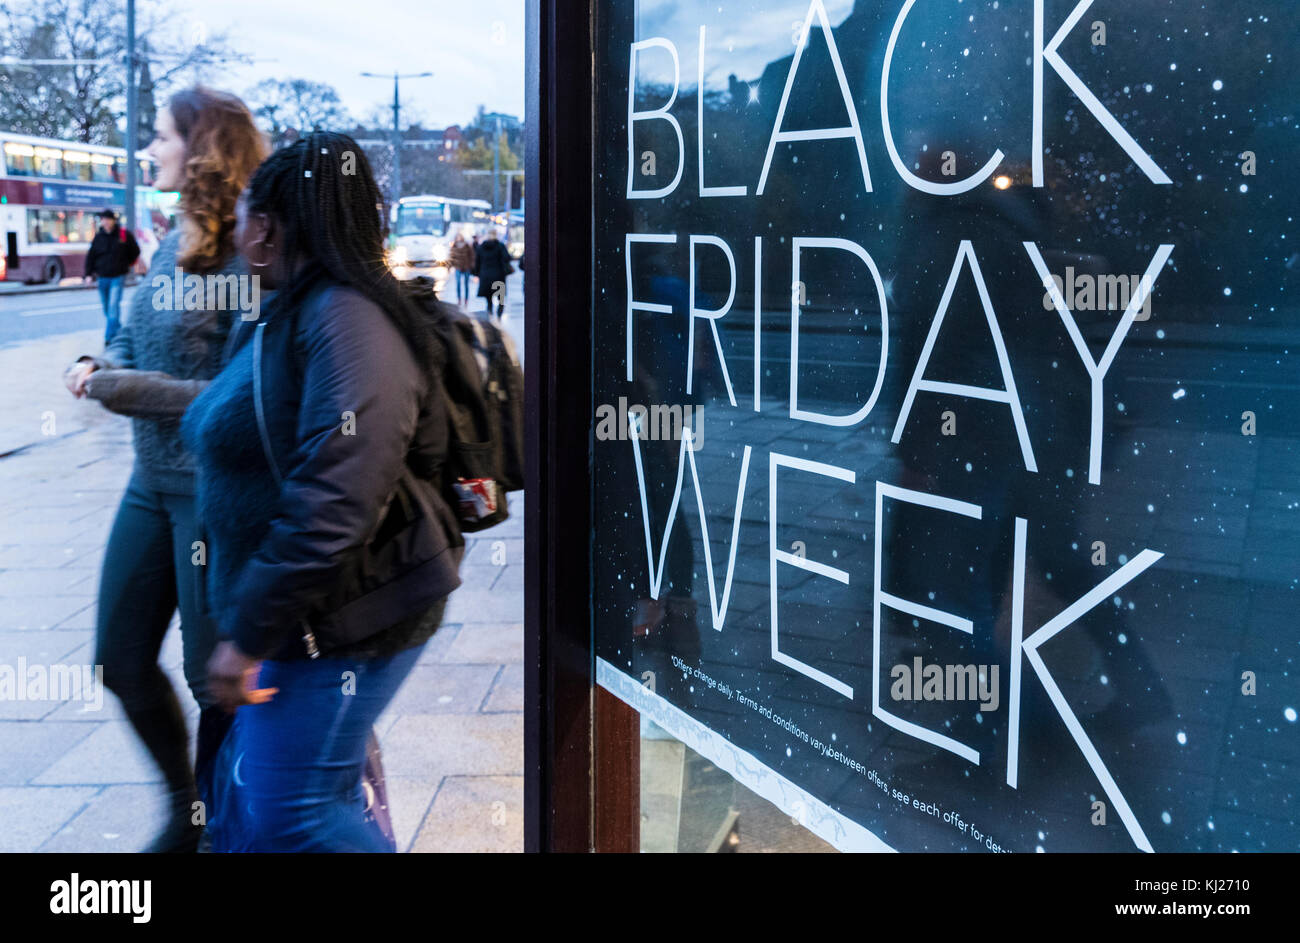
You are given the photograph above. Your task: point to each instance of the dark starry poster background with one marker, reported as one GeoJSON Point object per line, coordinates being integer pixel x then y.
{"type": "Point", "coordinates": [1153, 671]}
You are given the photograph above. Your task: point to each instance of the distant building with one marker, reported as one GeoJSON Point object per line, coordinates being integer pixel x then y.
{"type": "Point", "coordinates": [429, 139]}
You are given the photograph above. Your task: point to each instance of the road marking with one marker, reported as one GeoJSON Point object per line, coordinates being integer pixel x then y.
{"type": "Point", "coordinates": [67, 309]}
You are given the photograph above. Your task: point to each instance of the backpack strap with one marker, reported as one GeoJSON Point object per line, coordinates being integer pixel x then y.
{"type": "Point", "coordinates": [260, 409]}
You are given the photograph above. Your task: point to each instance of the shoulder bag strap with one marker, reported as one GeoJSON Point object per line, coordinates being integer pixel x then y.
{"type": "Point", "coordinates": [257, 403]}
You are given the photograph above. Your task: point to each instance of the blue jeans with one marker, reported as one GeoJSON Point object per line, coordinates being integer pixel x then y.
{"type": "Point", "coordinates": [110, 298]}
{"type": "Point", "coordinates": [288, 778]}
{"type": "Point", "coordinates": [462, 285]}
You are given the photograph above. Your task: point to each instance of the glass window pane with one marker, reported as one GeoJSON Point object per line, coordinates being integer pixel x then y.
{"type": "Point", "coordinates": [20, 159]}
{"type": "Point", "coordinates": [985, 525]}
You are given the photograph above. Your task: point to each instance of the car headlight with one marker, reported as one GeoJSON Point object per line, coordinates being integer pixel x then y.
{"type": "Point", "coordinates": [441, 252]}
{"type": "Point", "coordinates": [399, 256]}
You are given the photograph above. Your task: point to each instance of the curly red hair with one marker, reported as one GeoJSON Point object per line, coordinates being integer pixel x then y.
{"type": "Point", "coordinates": [223, 147]}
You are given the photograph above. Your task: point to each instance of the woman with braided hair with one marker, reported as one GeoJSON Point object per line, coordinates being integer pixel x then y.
{"type": "Point", "coordinates": [331, 553]}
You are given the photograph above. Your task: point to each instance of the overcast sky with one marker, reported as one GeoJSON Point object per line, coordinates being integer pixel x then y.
{"type": "Point", "coordinates": [475, 50]}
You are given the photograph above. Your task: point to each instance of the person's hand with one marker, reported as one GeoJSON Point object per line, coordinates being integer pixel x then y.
{"type": "Point", "coordinates": [74, 378]}
{"type": "Point", "coordinates": [232, 676]}
{"type": "Point", "coordinates": [88, 279]}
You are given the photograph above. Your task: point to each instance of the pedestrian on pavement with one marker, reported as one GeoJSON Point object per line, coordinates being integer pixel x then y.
{"type": "Point", "coordinates": [206, 148]}
{"type": "Point", "coordinates": [492, 266]}
{"type": "Point", "coordinates": [112, 253]}
{"type": "Point", "coordinates": [332, 550]}
{"type": "Point", "coordinates": [462, 263]}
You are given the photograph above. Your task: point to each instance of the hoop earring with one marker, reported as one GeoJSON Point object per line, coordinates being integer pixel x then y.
{"type": "Point", "coordinates": [261, 264]}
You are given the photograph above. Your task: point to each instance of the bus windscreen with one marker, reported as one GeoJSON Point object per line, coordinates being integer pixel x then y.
{"type": "Point", "coordinates": [426, 220]}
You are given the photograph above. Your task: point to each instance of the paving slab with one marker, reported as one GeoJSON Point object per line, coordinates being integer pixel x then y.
{"type": "Point", "coordinates": [496, 643]}
{"type": "Point", "coordinates": [41, 612]}
{"type": "Point", "coordinates": [48, 555]}
{"type": "Point", "coordinates": [47, 647]}
{"type": "Point", "coordinates": [31, 748]}
{"type": "Point", "coordinates": [439, 644]}
{"type": "Point", "coordinates": [444, 689]}
{"type": "Point", "coordinates": [111, 754]}
{"type": "Point", "coordinates": [480, 550]}
{"type": "Point", "coordinates": [409, 798]}
{"type": "Point", "coordinates": [43, 582]}
{"type": "Point", "coordinates": [34, 814]}
{"type": "Point", "coordinates": [426, 745]}
{"type": "Point", "coordinates": [116, 819]}
{"type": "Point", "coordinates": [475, 814]}
{"type": "Point", "coordinates": [508, 692]}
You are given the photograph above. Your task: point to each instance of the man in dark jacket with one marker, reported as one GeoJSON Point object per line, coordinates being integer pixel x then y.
{"type": "Point", "coordinates": [492, 265]}
{"type": "Point", "coordinates": [112, 253]}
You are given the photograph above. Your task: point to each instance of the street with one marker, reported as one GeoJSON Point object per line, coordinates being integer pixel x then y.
{"type": "Point", "coordinates": [32, 315]}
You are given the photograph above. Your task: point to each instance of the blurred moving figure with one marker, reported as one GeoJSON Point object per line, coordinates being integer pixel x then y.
{"type": "Point", "coordinates": [492, 266]}
{"type": "Point", "coordinates": [112, 253]}
{"type": "Point", "coordinates": [462, 258]}
{"type": "Point", "coordinates": [333, 552]}
{"type": "Point", "coordinates": [206, 147]}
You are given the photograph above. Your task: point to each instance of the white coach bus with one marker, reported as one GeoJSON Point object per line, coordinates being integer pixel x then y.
{"type": "Point", "coordinates": [422, 228]}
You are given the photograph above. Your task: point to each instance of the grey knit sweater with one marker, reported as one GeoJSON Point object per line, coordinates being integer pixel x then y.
{"type": "Point", "coordinates": [160, 360]}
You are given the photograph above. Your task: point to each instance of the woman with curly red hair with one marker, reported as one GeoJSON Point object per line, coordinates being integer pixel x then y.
{"type": "Point", "coordinates": [206, 148]}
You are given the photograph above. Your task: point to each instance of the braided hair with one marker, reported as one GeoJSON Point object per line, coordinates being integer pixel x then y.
{"type": "Point", "coordinates": [323, 193]}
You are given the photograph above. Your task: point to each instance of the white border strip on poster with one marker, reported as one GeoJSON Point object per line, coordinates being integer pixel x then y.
{"type": "Point", "coordinates": [812, 813]}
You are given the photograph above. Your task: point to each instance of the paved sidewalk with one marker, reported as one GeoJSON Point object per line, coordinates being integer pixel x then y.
{"type": "Point", "coordinates": [76, 780]}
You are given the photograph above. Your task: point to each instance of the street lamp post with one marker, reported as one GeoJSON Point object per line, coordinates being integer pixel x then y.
{"type": "Point", "coordinates": [397, 128]}
{"type": "Point", "coordinates": [496, 170]}
{"type": "Point", "coordinates": [130, 118]}
{"type": "Point", "coordinates": [496, 163]}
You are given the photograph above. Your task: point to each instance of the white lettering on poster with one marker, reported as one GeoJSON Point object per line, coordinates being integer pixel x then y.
{"type": "Point", "coordinates": [852, 130]}
{"type": "Point", "coordinates": [800, 243]}
{"type": "Point", "coordinates": [775, 556]}
{"type": "Point", "coordinates": [662, 113]}
{"type": "Point", "coordinates": [915, 609]}
{"type": "Point", "coordinates": [1006, 395]}
{"type": "Point", "coordinates": [656, 577]}
{"type": "Point", "coordinates": [709, 315]}
{"type": "Point", "coordinates": [1097, 368]}
{"type": "Point", "coordinates": [1022, 649]}
{"type": "Point", "coordinates": [912, 180]}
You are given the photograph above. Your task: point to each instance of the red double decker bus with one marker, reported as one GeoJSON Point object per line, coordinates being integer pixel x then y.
{"type": "Point", "coordinates": [50, 193]}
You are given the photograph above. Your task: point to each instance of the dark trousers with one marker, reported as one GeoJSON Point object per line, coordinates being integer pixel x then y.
{"type": "Point", "coordinates": [147, 575]}
{"type": "Point", "coordinates": [497, 294]}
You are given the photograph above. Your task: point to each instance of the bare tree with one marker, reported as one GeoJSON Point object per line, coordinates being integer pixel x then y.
{"type": "Point", "coordinates": [285, 105]}
{"type": "Point", "coordinates": [83, 101]}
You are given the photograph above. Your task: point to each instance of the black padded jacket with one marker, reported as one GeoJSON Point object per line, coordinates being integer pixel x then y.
{"type": "Point", "coordinates": [336, 539]}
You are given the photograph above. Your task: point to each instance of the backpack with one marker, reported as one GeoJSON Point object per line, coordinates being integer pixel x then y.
{"type": "Point", "coordinates": [483, 386]}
